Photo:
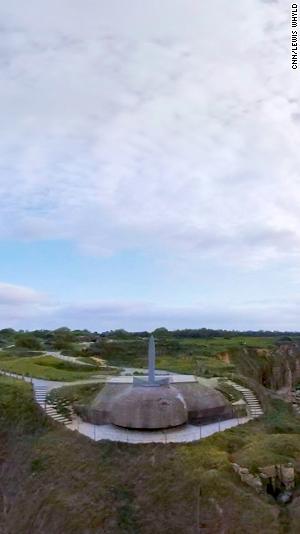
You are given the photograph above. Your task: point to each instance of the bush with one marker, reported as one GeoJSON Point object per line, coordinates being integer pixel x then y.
{"type": "Point", "coordinates": [27, 341]}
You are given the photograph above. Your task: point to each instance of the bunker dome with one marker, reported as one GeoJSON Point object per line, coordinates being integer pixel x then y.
{"type": "Point", "coordinates": [149, 407]}
{"type": "Point", "coordinates": [156, 401]}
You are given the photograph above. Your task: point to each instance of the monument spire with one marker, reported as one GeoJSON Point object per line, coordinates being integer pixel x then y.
{"type": "Point", "coordinates": [151, 360]}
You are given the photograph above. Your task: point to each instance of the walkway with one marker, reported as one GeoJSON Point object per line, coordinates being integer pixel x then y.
{"type": "Point", "coordinates": [296, 401]}
{"type": "Point", "coordinates": [253, 405]}
{"type": "Point", "coordinates": [54, 354]}
{"type": "Point", "coordinates": [71, 359]}
{"type": "Point", "coordinates": [184, 434]}
{"type": "Point", "coordinates": [40, 390]}
{"type": "Point", "coordinates": [40, 394]}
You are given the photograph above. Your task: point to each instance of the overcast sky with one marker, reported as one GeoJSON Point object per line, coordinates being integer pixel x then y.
{"type": "Point", "coordinates": [150, 165]}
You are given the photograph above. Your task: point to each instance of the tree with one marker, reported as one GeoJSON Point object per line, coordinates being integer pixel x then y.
{"type": "Point", "coordinates": [63, 338]}
{"type": "Point", "coordinates": [161, 332]}
{"type": "Point", "coordinates": [28, 341]}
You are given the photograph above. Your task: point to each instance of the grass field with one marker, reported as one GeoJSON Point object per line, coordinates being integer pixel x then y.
{"type": "Point", "coordinates": [186, 355]}
{"type": "Point", "coordinates": [54, 480]}
{"type": "Point", "coordinates": [48, 368]}
{"type": "Point", "coordinates": [214, 345]}
{"type": "Point", "coordinates": [203, 357]}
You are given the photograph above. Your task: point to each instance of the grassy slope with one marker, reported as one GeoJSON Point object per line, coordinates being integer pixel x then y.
{"type": "Point", "coordinates": [195, 356]}
{"type": "Point", "coordinates": [47, 367]}
{"type": "Point", "coordinates": [79, 393]}
{"type": "Point", "coordinates": [53, 480]}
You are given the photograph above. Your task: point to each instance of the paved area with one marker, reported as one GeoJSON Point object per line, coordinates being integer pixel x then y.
{"type": "Point", "coordinates": [55, 354]}
{"type": "Point", "coordinates": [184, 434]}
{"type": "Point", "coordinates": [131, 370]}
{"type": "Point", "coordinates": [71, 359]}
{"type": "Point", "coordinates": [40, 394]}
{"type": "Point", "coordinates": [174, 378]}
{"type": "Point", "coordinates": [295, 397]}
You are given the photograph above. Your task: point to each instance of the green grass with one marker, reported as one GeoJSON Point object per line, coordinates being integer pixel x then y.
{"type": "Point", "coordinates": [66, 483]}
{"type": "Point", "coordinates": [49, 368]}
{"type": "Point", "coordinates": [220, 344]}
{"type": "Point", "coordinates": [203, 357]}
{"type": "Point", "coordinates": [20, 352]}
{"type": "Point", "coordinates": [7, 356]}
{"type": "Point", "coordinates": [79, 393]}
{"type": "Point", "coordinates": [17, 408]}
{"type": "Point", "coordinates": [55, 480]}
{"type": "Point", "coordinates": [229, 392]}
{"type": "Point", "coordinates": [66, 397]}
{"type": "Point", "coordinates": [191, 356]}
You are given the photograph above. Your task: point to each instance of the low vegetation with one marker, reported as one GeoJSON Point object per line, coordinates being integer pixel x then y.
{"type": "Point", "coordinates": [81, 393]}
{"type": "Point", "coordinates": [205, 357]}
{"type": "Point", "coordinates": [48, 368]}
{"type": "Point", "coordinates": [55, 480]}
{"type": "Point", "coordinates": [74, 485]}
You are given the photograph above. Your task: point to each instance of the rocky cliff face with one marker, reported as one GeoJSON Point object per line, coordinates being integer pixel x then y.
{"type": "Point", "coordinates": [277, 369]}
{"type": "Point", "coordinates": [285, 370]}
{"type": "Point", "coordinates": [276, 480]}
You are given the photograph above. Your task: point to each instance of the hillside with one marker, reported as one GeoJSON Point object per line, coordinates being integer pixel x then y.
{"type": "Point", "coordinates": [53, 480]}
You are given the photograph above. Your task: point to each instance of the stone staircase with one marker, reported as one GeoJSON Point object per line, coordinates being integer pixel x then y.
{"type": "Point", "coordinates": [253, 405]}
{"type": "Point", "coordinates": [296, 401]}
{"type": "Point", "coordinates": [40, 393]}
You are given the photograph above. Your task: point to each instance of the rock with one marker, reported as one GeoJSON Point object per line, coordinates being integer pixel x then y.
{"type": "Point", "coordinates": [252, 481]}
{"type": "Point", "coordinates": [284, 497]}
{"type": "Point", "coordinates": [281, 477]}
{"type": "Point", "coordinates": [269, 471]}
{"type": "Point", "coordinates": [236, 468]}
{"type": "Point", "coordinates": [243, 470]}
{"type": "Point", "coordinates": [287, 476]}
{"type": "Point", "coordinates": [249, 479]}
{"type": "Point", "coordinates": [294, 514]}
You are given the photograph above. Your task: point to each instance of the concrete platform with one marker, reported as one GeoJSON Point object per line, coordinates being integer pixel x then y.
{"type": "Point", "coordinates": [174, 379]}
{"type": "Point", "coordinates": [186, 434]}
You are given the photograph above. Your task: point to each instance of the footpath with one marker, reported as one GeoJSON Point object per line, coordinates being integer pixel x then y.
{"type": "Point", "coordinates": [185, 434]}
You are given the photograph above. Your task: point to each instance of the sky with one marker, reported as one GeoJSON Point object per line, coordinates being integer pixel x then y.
{"type": "Point", "coordinates": [149, 165]}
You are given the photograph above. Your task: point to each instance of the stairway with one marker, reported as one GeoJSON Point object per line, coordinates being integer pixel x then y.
{"type": "Point", "coordinates": [40, 393]}
{"type": "Point", "coordinates": [296, 401]}
{"type": "Point", "coordinates": [253, 405]}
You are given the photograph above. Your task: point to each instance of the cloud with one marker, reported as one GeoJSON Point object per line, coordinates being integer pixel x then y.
{"type": "Point", "coordinates": [133, 316]}
{"type": "Point", "coordinates": [13, 295]}
{"type": "Point", "coordinates": [24, 308]}
{"type": "Point", "coordinates": [157, 126]}
{"type": "Point", "coordinates": [21, 305]}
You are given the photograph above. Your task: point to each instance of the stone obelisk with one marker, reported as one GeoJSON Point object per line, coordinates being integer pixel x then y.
{"type": "Point", "coordinates": [151, 361]}
{"type": "Point", "coordinates": [151, 380]}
